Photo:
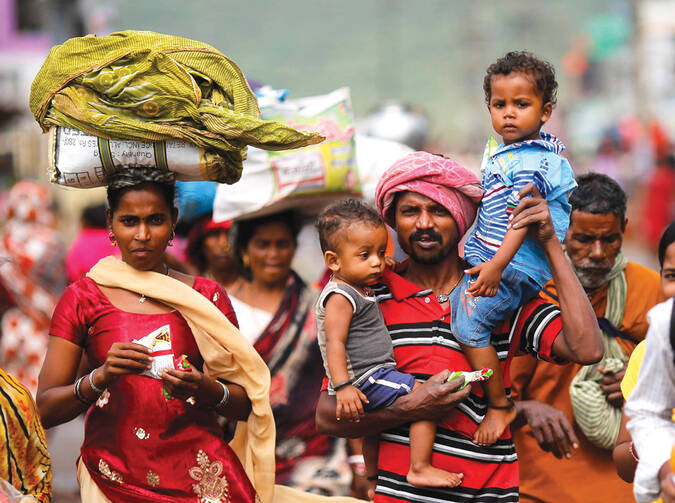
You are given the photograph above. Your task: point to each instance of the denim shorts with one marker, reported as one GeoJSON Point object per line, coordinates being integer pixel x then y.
{"type": "Point", "coordinates": [474, 318]}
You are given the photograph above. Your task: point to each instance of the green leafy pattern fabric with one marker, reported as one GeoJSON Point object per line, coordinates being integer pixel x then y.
{"type": "Point", "coordinates": [140, 85]}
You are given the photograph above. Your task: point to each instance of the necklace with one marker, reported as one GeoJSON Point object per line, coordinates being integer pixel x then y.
{"type": "Point", "coordinates": [143, 297]}
{"type": "Point", "coordinates": [445, 297]}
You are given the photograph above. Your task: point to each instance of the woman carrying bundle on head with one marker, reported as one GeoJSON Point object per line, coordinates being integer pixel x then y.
{"type": "Point", "coordinates": [149, 334]}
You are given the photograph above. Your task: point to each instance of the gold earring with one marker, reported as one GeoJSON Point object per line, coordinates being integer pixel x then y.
{"type": "Point", "coordinates": [111, 237]}
{"type": "Point", "coordinates": [173, 235]}
{"type": "Point", "coordinates": [246, 261]}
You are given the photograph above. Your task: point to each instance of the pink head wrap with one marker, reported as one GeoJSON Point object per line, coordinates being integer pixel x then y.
{"type": "Point", "coordinates": [439, 178]}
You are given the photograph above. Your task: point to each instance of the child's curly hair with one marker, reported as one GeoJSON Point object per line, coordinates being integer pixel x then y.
{"type": "Point", "coordinates": [338, 216]}
{"type": "Point", "coordinates": [524, 62]}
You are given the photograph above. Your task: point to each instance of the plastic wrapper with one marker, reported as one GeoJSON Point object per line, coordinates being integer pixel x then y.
{"type": "Point", "coordinates": [470, 376]}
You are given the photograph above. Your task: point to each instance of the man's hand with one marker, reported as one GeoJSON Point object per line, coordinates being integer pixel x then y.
{"type": "Point", "coordinates": [429, 401]}
{"type": "Point", "coordinates": [611, 387]}
{"type": "Point", "coordinates": [487, 283]}
{"type": "Point", "coordinates": [436, 397]}
{"type": "Point", "coordinates": [667, 484]}
{"type": "Point", "coordinates": [350, 400]}
{"type": "Point", "coordinates": [533, 212]}
{"type": "Point", "coordinates": [550, 427]}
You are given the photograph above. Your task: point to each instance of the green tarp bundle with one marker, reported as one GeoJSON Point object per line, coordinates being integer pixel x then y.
{"type": "Point", "coordinates": [145, 86]}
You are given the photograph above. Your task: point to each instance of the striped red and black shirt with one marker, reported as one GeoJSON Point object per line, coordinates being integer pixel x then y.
{"type": "Point", "coordinates": [423, 346]}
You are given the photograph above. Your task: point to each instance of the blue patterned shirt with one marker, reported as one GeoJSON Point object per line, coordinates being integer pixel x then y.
{"type": "Point", "coordinates": [507, 171]}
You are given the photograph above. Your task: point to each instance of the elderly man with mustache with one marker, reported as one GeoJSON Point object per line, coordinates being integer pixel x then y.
{"type": "Point", "coordinates": [621, 293]}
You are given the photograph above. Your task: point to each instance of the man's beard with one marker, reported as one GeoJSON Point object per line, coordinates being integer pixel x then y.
{"type": "Point", "coordinates": [590, 281]}
{"type": "Point", "coordinates": [427, 259]}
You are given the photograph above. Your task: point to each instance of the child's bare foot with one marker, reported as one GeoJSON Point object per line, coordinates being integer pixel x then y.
{"type": "Point", "coordinates": [494, 423]}
{"type": "Point", "coordinates": [428, 476]}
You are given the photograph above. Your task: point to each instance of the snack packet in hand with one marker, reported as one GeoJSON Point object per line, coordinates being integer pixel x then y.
{"type": "Point", "coordinates": [179, 363]}
{"type": "Point", "coordinates": [470, 376]}
{"type": "Point", "coordinates": [159, 344]}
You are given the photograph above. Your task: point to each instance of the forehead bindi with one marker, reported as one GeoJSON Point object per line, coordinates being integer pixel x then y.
{"type": "Point", "coordinates": [275, 232]}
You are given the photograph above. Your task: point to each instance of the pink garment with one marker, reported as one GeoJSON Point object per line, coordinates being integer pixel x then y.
{"type": "Point", "coordinates": [436, 177]}
{"type": "Point", "coordinates": [90, 246]}
{"type": "Point", "coordinates": [140, 447]}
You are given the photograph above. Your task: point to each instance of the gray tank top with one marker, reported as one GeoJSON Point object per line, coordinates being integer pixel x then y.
{"type": "Point", "coordinates": [368, 345]}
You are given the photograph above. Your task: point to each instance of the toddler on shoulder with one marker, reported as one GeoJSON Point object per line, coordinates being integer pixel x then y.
{"type": "Point", "coordinates": [507, 268]}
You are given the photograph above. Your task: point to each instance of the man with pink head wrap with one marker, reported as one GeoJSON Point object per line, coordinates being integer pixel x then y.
{"type": "Point", "coordinates": [430, 201]}
{"type": "Point", "coordinates": [439, 178]}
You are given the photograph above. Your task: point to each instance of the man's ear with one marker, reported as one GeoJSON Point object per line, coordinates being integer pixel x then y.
{"type": "Point", "coordinates": [546, 112]}
{"type": "Point", "coordinates": [332, 260]}
{"type": "Point", "coordinates": [624, 224]}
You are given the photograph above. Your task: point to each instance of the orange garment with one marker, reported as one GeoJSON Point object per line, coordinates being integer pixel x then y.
{"type": "Point", "coordinates": [589, 476]}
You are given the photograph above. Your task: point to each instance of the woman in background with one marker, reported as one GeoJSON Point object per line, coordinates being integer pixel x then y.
{"type": "Point", "coordinates": [275, 309]}
{"type": "Point", "coordinates": [33, 274]}
{"type": "Point", "coordinates": [24, 459]}
{"type": "Point", "coordinates": [209, 250]}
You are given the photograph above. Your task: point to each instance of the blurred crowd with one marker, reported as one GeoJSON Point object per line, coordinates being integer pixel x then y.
{"type": "Point", "coordinates": [79, 331]}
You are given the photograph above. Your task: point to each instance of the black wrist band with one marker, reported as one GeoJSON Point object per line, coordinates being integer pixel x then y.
{"type": "Point", "coordinates": [502, 407]}
{"type": "Point", "coordinates": [371, 477]}
{"type": "Point", "coordinates": [342, 384]}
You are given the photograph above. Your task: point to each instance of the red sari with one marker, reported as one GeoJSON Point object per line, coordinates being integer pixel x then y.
{"type": "Point", "coordinates": [138, 446]}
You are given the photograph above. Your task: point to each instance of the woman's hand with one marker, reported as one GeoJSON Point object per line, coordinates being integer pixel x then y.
{"type": "Point", "coordinates": [183, 384]}
{"type": "Point", "coordinates": [191, 383]}
{"type": "Point", "coordinates": [125, 358]}
{"type": "Point", "coordinates": [429, 401]}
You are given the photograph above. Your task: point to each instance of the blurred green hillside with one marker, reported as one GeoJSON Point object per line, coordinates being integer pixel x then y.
{"type": "Point", "coordinates": [429, 53]}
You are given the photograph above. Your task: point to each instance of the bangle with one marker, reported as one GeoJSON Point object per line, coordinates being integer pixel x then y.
{"type": "Point", "coordinates": [342, 384]}
{"type": "Point", "coordinates": [226, 396]}
{"type": "Point", "coordinates": [355, 458]}
{"type": "Point", "coordinates": [92, 385]}
{"type": "Point", "coordinates": [371, 477]}
{"type": "Point", "coordinates": [78, 392]}
{"type": "Point", "coordinates": [633, 453]}
{"type": "Point", "coordinates": [358, 469]}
